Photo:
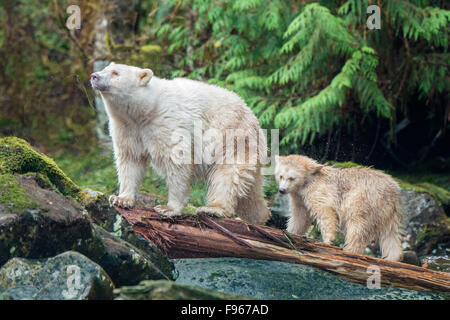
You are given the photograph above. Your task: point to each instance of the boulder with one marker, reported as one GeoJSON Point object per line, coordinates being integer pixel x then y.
{"type": "Point", "coordinates": [67, 276]}
{"type": "Point", "coordinates": [107, 217]}
{"type": "Point", "coordinates": [426, 226]}
{"type": "Point", "coordinates": [39, 223]}
{"type": "Point", "coordinates": [43, 213]}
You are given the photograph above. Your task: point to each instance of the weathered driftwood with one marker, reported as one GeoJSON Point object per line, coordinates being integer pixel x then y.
{"type": "Point", "coordinates": [202, 236]}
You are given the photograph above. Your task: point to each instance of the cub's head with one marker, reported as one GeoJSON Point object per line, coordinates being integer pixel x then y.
{"type": "Point", "coordinates": [119, 79]}
{"type": "Point", "coordinates": [293, 172]}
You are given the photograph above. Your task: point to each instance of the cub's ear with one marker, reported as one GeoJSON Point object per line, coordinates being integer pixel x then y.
{"type": "Point", "coordinates": [316, 169]}
{"type": "Point", "coordinates": [313, 167]}
{"type": "Point", "coordinates": [144, 77]}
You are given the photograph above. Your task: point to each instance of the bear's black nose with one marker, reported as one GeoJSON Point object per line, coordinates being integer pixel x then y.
{"type": "Point", "coordinates": [282, 191]}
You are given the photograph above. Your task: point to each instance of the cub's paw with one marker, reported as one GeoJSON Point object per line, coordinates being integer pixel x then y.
{"type": "Point", "coordinates": [122, 202]}
{"type": "Point", "coordinates": [213, 211]}
{"type": "Point", "coordinates": [167, 211]}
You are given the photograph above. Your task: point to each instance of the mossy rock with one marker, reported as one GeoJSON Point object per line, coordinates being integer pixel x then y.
{"type": "Point", "coordinates": [17, 156]}
{"type": "Point", "coordinates": [44, 223]}
{"type": "Point", "coordinates": [13, 197]}
{"type": "Point", "coordinates": [434, 237]}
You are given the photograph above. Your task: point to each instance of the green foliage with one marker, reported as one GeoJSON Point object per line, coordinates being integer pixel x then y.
{"type": "Point", "coordinates": [41, 84]}
{"type": "Point", "coordinates": [309, 69]}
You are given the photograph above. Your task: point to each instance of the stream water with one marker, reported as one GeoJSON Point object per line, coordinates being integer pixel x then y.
{"type": "Point", "coordinates": [274, 280]}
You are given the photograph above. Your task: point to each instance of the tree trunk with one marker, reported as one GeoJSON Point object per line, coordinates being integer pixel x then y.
{"type": "Point", "coordinates": [202, 236]}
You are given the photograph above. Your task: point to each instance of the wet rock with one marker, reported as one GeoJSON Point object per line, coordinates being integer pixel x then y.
{"type": "Point", "coordinates": [68, 276]}
{"type": "Point", "coordinates": [142, 251]}
{"type": "Point", "coordinates": [127, 264]}
{"type": "Point", "coordinates": [107, 217]}
{"type": "Point", "coordinates": [169, 290]}
{"type": "Point", "coordinates": [411, 257]}
{"type": "Point", "coordinates": [278, 280]}
{"type": "Point", "coordinates": [426, 225]}
{"type": "Point", "coordinates": [38, 223]}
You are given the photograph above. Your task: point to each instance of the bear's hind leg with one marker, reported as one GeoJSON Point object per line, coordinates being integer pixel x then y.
{"type": "Point", "coordinates": [390, 240]}
{"type": "Point", "coordinates": [253, 208]}
{"type": "Point", "coordinates": [357, 237]}
{"type": "Point", "coordinates": [226, 184]}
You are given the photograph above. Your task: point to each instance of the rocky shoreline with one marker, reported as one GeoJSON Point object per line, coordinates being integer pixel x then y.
{"type": "Point", "coordinates": [58, 241]}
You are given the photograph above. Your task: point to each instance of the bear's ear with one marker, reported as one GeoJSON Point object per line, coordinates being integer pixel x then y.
{"type": "Point", "coordinates": [144, 77]}
{"type": "Point", "coordinates": [311, 166]}
{"type": "Point", "coordinates": [316, 169]}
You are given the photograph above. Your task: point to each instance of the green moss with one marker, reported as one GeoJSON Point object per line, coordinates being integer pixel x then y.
{"type": "Point", "coordinates": [426, 235]}
{"type": "Point", "coordinates": [440, 194]}
{"type": "Point", "coordinates": [17, 156]}
{"type": "Point", "coordinates": [189, 209]}
{"type": "Point", "coordinates": [13, 196]}
{"type": "Point", "coordinates": [343, 165]}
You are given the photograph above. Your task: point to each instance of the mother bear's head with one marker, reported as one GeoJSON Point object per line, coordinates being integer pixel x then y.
{"type": "Point", "coordinates": [117, 79]}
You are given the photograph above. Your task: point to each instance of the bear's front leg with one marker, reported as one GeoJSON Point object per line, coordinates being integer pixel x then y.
{"type": "Point", "coordinates": [130, 171]}
{"type": "Point", "coordinates": [328, 222]}
{"type": "Point", "coordinates": [178, 183]}
{"type": "Point", "coordinates": [301, 219]}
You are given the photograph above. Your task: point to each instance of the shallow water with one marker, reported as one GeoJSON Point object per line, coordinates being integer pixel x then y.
{"type": "Point", "coordinates": [275, 280]}
{"type": "Point", "coordinates": [439, 263]}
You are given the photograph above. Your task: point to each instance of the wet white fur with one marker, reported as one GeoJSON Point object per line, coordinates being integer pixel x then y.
{"type": "Point", "coordinates": [144, 111]}
{"type": "Point", "coordinates": [361, 202]}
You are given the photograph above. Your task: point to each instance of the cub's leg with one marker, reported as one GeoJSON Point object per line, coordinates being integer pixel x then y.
{"type": "Point", "coordinates": [327, 220]}
{"type": "Point", "coordinates": [390, 236]}
{"type": "Point", "coordinates": [226, 184]}
{"type": "Point", "coordinates": [357, 236]}
{"type": "Point", "coordinates": [178, 182]}
{"type": "Point", "coordinates": [130, 170]}
{"type": "Point", "coordinates": [300, 220]}
{"type": "Point", "coordinates": [252, 208]}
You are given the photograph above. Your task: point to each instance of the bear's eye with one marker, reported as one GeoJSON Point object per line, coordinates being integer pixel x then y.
{"type": "Point", "coordinates": [114, 73]}
{"type": "Point", "coordinates": [281, 177]}
{"type": "Point", "coordinates": [291, 179]}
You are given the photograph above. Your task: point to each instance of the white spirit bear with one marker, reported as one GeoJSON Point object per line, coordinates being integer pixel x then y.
{"type": "Point", "coordinates": [145, 113]}
{"type": "Point", "coordinates": [361, 202]}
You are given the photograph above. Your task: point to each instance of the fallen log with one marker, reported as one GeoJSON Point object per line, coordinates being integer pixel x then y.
{"type": "Point", "coordinates": [191, 236]}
